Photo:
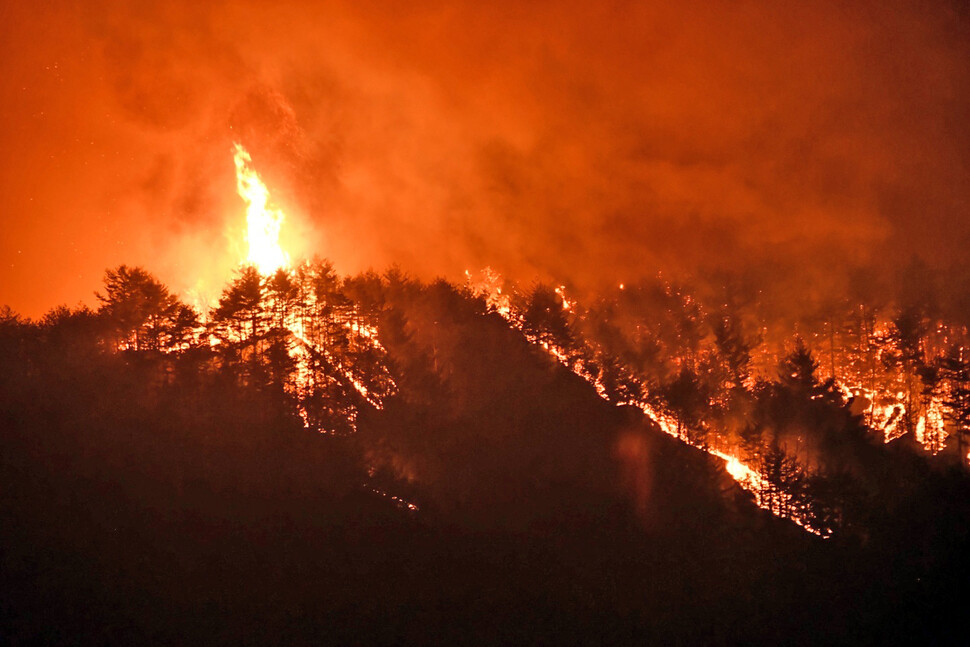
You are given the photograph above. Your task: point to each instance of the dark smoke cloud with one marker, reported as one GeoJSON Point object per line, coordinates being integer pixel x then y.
{"type": "Point", "coordinates": [595, 142]}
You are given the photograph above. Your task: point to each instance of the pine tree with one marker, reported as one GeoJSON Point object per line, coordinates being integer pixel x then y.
{"type": "Point", "coordinates": [141, 311]}
{"type": "Point", "coordinates": [241, 319]}
{"type": "Point", "coordinates": [955, 370]}
{"type": "Point", "coordinates": [797, 370]}
{"type": "Point", "coordinates": [545, 318]}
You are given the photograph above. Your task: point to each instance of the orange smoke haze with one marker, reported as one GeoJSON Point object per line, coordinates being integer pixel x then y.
{"type": "Point", "coordinates": [587, 141]}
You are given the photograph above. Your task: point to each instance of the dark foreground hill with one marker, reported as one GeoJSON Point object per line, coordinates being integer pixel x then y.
{"type": "Point", "coordinates": [146, 499]}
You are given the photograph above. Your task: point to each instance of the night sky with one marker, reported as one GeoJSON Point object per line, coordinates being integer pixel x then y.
{"type": "Point", "coordinates": [591, 142]}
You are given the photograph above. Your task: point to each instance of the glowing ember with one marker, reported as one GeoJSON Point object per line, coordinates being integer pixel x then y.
{"type": "Point", "coordinates": [398, 501]}
{"type": "Point", "coordinates": [263, 223]}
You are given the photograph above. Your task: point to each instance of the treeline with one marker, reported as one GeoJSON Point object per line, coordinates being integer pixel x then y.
{"type": "Point", "coordinates": [306, 335]}
{"type": "Point", "coordinates": [147, 376]}
{"type": "Point", "coordinates": [164, 466]}
{"type": "Point", "coordinates": [324, 350]}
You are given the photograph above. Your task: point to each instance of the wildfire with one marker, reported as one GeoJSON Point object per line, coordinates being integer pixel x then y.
{"type": "Point", "coordinates": [263, 223]}
{"type": "Point", "coordinates": [400, 502]}
{"type": "Point", "coordinates": [739, 471]}
{"type": "Point", "coordinates": [887, 409]}
{"type": "Point", "coordinates": [488, 285]}
{"type": "Point", "coordinates": [744, 475]}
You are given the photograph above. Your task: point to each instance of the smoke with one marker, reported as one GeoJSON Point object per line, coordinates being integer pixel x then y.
{"type": "Point", "coordinates": [593, 144]}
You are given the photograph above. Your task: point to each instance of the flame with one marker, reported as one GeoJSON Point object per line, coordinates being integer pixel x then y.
{"type": "Point", "coordinates": [744, 475]}
{"type": "Point", "coordinates": [886, 412]}
{"type": "Point", "coordinates": [263, 223]}
{"type": "Point", "coordinates": [398, 501]}
{"type": "Point", "coordinates": [489, 287]}
{"type": "Point", "coordinates": [567, 304]}
{"type": "Point", "coordinates": [738, 470]}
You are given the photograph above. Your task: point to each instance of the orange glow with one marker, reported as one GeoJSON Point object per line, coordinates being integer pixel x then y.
{"type": "Point", "coordinates": [263, 222]}
{"type": "Point", "coordinates": [117, 119]}
{"type": "Point", "coordinates": [489, 287]}
{"type": "Point", "coordinates": [400, 502]}
{"type": "Point", "coordinates": [744, 475]}
{"type": "Point", "coordinates": [567, 304]}
{"type": "Point", "coordinates": [263, 225]}
{"type": "Point", "coordinates": [887, 409]}
{"type": "Point", "coordinates": [738, 470]}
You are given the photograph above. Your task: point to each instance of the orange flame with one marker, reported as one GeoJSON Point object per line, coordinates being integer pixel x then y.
{"type": "Point", "coordinates": [263, 223]}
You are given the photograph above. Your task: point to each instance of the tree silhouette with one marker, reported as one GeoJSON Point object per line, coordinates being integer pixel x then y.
{"type": "Point", "coordinates": [544, 318]}
{"type": "Point", "coordinates": [733, 350]}
{"type": "Point", "coordinates": [797, 371]}
{"type": "Point", "coordinates": [687, 398]}
{"type": "Point", "coordinates": [283, 294]}
{"type": "Point", "coordinates": [141, 312]}
{"type": "Point", "coordinates": [784, 478]}
{"type": "Point", "coordinates": [241, 317]}
{"type": "Point", "coordinates": [955, 369]}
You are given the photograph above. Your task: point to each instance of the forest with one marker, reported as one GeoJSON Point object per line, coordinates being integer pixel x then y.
{"type": "Point", "coordinates": [374, 459]}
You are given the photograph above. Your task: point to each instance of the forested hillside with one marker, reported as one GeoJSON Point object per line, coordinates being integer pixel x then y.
{"type": "Point", "coordinates": [373, 459]}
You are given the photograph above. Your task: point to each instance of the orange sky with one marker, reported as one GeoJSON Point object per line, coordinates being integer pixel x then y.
{"type": "Point", "coordinates": [589, 141]}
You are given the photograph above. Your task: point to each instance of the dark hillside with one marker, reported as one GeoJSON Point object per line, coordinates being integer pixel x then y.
{"type": "Point", "coordinates": [154, 498]}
